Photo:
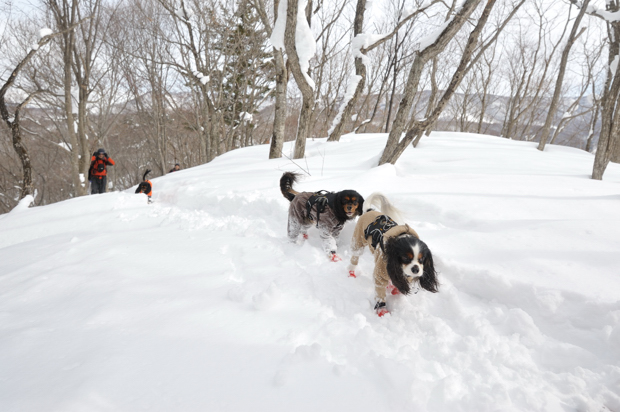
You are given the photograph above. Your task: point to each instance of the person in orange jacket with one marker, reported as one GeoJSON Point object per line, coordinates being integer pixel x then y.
{"type": "Point", "coordinates": [146, 186]}
{"type": "Point", "coordinates": [97, 174]}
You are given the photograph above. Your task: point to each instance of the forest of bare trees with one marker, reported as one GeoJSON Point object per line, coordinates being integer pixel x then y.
{"type": "Point", "coordinates": [159, 82]}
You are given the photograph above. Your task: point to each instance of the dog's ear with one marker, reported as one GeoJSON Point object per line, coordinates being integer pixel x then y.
{"type": "Point", "coordinates": [428, 281]}
{"type": "Point", "coordinates": [360, 207]}
{"type": "Point", "coordinates": [393, 249]}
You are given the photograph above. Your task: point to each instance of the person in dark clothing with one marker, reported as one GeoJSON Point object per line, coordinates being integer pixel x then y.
{"type": "Point", "coordinates": [97, 174]}
{"type": "Point", "coordinates": [176, 168]}
{"type": "Point", "coordinates": [146, 186]}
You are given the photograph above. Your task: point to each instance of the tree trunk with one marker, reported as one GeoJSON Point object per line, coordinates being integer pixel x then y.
{"type": "Point", "coordinates": [609, 103]}
{"type": "Point", "coordinates": [14, 125]}
{"type": "Point", "coordinates": [20, 149]}
{"type": "Point", "coordinates": [303, 127]}
{"type": "Point", "coordinates": [390, 153]}
{"type": "Point", "coordinates": [546, 130]}
{"type": "Point", "coordinates": [65, 14]}
{"type": "Point", "coordinates": [279, 116]}
{"type": "Point", "coordinates": [360, 76]}
{"type": "Point", "coordinates": [597, 108]}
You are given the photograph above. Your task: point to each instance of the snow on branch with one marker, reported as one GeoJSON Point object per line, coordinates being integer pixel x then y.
{"type": "Point", "coordinates": [609, 16]}
{"type": "Point", "coordinates": [353, 82]}
{"type": "Point", "coordinates": [367, 42]}
{"type": "Point", "coordinates": [304, 41]}
{"type": "Point", "coordinates": [277, 35]}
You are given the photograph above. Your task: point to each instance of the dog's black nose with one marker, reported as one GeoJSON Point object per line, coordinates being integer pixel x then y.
{"type": "Point", "coordinates": [415, 269]}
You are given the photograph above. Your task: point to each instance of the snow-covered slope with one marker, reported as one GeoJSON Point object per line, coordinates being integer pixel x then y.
{"type": "Point", "coordinates": [199, 303]}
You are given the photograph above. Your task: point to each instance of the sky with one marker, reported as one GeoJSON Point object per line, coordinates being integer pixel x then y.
{"type": "Point", "coordinates": [198, 301]}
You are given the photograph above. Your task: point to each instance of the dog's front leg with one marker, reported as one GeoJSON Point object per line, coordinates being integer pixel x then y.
{"type": "Point", "coordinates": [381, 281]}
{"type": "Point", "coordinates": [329, 241]}
{"type": "Point", "coordinates": [296, 228]}
{"type": "Point", "coordinates": [354, 261]}
{"type": "Point", "coordinates": [330, 246]}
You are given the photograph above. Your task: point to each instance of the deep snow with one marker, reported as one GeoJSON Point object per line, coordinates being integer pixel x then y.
{"type": "Point", "coordinates": [199, 303]}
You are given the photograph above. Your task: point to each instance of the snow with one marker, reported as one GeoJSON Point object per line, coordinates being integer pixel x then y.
{"type": "Point", "coordinates": [304, 42]}
{"type": "Point", "coordinates": [613, 66]}
{"type": "Point", "coordinates": [246, 117]}
{"type": "Point", "coordinates": [363, 41]}
{"type": "Point", "coordinates": [430, 39]}
{"type": "Point", "coordinates": [198, 301]}
{"type": "Point", "coordinates": [304, 39]}
{"type": "Point", "coordinates": [606, 15]}
{"type": "Point", "coordinates": [23, 204]}
{"type": "Point", "coordinates": [279, 27]}
{"type": "Point", "coordinates": [45, 32]}
{"type": "Point", "coordinates": [354, 81]}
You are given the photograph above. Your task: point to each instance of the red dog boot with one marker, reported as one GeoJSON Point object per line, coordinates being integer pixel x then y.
{"type": "Point", "coordinates": [381, 309]}
{"type": "Point", "coordinates": [305, 236]}
{"type": "Point", "coordinates": [392, 289]}
{"type": "Point", "coordinates": [334, 257]}
{"type": "Point", "coordinates": [352, 274]}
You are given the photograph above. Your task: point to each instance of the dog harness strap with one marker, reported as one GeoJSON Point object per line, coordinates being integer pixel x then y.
{"type": "Point", "coordinates": [377, 229]}
{"type": "Point", "coordinates": [321, 199]}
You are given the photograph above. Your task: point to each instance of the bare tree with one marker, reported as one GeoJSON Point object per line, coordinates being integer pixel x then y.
{"type": "Point", "coordinates": [579, 107]}
{"type": "Point", "coordinates": [361, 46]}
{"type": "Point", "coordinates": [281, 80]}
{"type": "Point", "coordinates": [13, 120]}
{"type": "Point", "coordinates": [300, 73]}
{"type": "Point", "coordinates": [394, 146]}
{"type": "Point", "coordinates": [610, 114]}
{"type": "Point", "coordinates": [573, 35]}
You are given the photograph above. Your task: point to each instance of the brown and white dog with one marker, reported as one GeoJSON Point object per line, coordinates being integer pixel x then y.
{"type": "Point", "coordinates": [401, 258]}
{"type": "Point", "coordinates": [328, 211]}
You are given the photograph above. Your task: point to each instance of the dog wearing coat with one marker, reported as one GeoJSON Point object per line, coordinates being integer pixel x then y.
{"type": "Point", "coordinates": [401, 258]}
{"type": "Point", "coordinates": [329, 211]}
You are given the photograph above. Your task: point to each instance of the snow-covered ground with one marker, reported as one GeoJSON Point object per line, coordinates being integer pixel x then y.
{"type": "Point", "coordinates": [198, 302]}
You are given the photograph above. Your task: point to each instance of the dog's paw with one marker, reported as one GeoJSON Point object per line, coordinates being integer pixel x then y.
{"type": "Point", "coordinates": [381, 309]}
{"type": "Point", "coordinates": [334, 257]}
{"type": "Point", "coordinates": [392, 290]}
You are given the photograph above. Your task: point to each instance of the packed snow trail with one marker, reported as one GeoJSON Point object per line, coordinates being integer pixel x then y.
{"type": "Point", "coordinates": [199, 302]}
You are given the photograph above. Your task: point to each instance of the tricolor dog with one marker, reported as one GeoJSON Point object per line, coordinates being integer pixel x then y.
{"type": "Point", "coordinates": [401, 258]}
{"type": "Point", "coordinates": [328, 211]}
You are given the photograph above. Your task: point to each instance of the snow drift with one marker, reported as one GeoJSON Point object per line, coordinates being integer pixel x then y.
{"type": "Point", "coordinates": [198, 302]}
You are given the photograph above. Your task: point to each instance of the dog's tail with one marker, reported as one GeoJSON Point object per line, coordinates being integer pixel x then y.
{"type": "Point", "coordinates": [145, 173]}
{"type": "Point", "coordinates": [286, 185]}
{"type": "Point", "coordinates": [385, 206]}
